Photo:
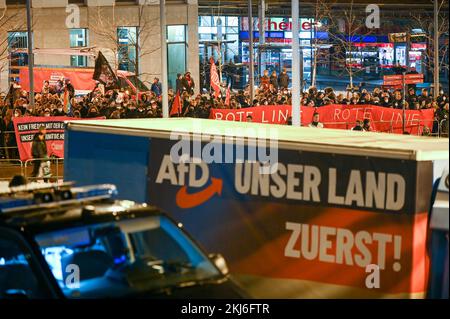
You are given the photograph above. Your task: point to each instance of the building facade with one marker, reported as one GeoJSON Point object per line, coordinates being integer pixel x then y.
{"type": "Point", "coordinates": [371, 54]}
{"type": "Point", "coordinates": [126, 32]}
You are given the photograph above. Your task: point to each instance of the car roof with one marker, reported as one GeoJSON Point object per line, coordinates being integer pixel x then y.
{"type": "Point", "coordinates": [59, 218]}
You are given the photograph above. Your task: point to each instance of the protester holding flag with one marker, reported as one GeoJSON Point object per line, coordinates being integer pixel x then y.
{"type": "Point", "coordinates": [176, 106]}
{"type": "Point", "coordinates": [104, 73]}
{"type": "Point", "coordinates": [228, 96]}
{"type": "Point", "coordinates": [69, 93]}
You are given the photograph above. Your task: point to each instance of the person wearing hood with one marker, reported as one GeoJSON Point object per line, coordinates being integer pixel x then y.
{"type": "Point", "coordinates": [41, 167]}
{"type": "Point", "coordinates": [93, 112]}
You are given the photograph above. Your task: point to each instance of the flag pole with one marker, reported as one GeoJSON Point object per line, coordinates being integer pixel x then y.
{"type": "Point", "coordinates": [164, 84]}
{"type": "Point", "coordinates": [30, 54]}
{"type": "Point", "coordinates": [251, 70]}
{"type": "Point", "coordinates": [296, 121]}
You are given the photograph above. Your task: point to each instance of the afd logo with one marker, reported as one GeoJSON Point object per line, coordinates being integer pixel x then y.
{"type": "Point", "coordinates": [192, 173]}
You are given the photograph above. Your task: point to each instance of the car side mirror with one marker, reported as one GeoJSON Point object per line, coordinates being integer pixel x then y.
{"type": "Point", "coordinates": [220, 263]}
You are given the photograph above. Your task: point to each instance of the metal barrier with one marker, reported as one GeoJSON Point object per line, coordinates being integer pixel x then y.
{"type": "Point", "coordinates": [10, 168]}
{"type": "Point", "coordinates": [11, 165]}
{"type": "Point", "coordinates": [9, 152]}
{"type": "Point", "coordinates": [55, 162]}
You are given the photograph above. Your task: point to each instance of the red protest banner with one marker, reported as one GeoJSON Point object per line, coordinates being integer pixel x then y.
{"type": "Point", "coordinates": [26, 128]}
{"type": "Point", "coordinates": [81, 78]}
{"type": "Point", "coordinates": [335, 116]}
{"type": "Point", "coordinates": [274, 114]}
{"type": "Point", "coordinates": [382, 119]}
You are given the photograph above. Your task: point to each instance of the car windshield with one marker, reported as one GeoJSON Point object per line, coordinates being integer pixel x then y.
{"type": "Point", "coordinates": [123, 258]}
{"type": "Point", "coordinates": [138, 83]}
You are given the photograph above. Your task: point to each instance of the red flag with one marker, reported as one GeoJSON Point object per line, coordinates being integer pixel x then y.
{"type": "Point", "coordinates": [176, 105]}
{"type": "Point", "coordinates": [228, 96]}
{"type": "Point", "coordinates": [214, 80]}
{"type": "Point", "coordinates": [66, 101]}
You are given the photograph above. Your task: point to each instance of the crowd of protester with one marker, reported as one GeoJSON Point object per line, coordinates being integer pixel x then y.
{"type": "Point", "coordinates": [117, 103]}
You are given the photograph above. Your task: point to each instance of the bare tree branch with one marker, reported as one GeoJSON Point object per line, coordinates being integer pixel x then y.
{"type": "Point", "coordinates": [146, 27]}
{"type": "Point", "coordinates": [342, 30]}
{"type": "Point", "coordinates": [10, 22]}
{"type": "Point", "coordinates": [424, 21]}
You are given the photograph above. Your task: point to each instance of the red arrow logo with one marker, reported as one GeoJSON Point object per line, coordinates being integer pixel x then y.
{"type": "Point", "coordinates": [185, 200]}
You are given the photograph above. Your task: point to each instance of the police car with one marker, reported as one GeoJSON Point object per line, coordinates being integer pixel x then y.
{"type": "Point", "coordinates": [60, 241]}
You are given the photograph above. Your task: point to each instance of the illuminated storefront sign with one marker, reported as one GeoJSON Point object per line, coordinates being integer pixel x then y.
{"type": "Point", "coordinates": [280, 30]}
{"type": "Point", "coordinates": [282, 24]}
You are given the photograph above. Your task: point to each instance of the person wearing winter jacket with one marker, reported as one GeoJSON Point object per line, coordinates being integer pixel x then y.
{"type": "Point", "coordinates": [39, 152]}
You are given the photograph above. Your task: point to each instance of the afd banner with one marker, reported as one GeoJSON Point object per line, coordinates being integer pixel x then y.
{"type": "Point", "coordinates": [26, 127]}
{"type": "Point", "coordinates": [318, 226]}
{"type": "Point", "coordinates": [335, 116]}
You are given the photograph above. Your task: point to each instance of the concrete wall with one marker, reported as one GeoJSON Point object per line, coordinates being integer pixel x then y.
{"type": "Point", "coordinates": [50, 31]}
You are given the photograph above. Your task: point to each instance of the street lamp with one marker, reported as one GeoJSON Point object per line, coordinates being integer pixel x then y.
{"type": "Point", "coordinates": [30, 54]}
{"type": "Point", "coordinates": [164, 84]}
{"type": "Point", "coordinates": [296, 85]}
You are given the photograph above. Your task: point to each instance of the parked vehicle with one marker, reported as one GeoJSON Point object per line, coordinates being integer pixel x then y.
{"type": "Point", "coordinates": [59, 241]}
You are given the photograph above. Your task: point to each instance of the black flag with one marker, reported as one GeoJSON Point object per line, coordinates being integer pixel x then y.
{"type": "Point", "coordinates": [104, 74]}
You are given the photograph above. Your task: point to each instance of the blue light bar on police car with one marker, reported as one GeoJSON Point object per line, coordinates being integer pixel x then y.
{"type": "Point", "coordinates": [8, 204]}
{"type": "Point", "coordinates": [79, 195]}
{"type": "Point", "coordinates": [95, 191]}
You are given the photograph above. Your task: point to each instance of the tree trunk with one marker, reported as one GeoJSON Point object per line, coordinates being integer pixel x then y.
{"type": "Point", "coordinates": [436, 49]}
{"type": "Point", "coordinates": [351, 78]}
